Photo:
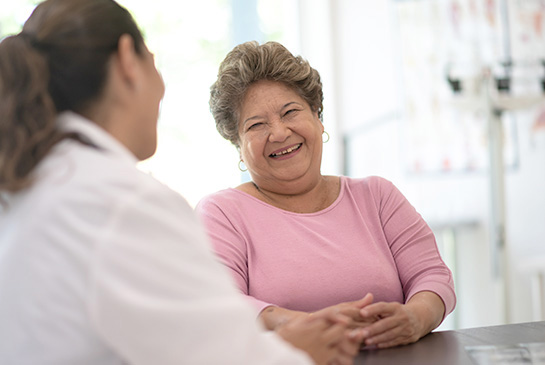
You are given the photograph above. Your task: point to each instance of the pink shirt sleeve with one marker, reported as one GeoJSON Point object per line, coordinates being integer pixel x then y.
{"type": "Point", "coordinates": [412, 244]}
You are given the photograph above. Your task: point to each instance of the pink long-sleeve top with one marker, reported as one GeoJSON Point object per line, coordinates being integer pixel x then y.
{"type": "Point", "coordinates": [370, 240]}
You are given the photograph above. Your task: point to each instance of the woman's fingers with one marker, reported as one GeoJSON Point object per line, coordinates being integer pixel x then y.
{"type": "Point", "coordinates": [396, 326]}
{"type": "Point", "coordinates": [365, 301]}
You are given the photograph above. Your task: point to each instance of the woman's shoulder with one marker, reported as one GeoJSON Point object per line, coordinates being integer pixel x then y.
{"type": "Point", "coordinates": [225, 199]}
{"type": "Point", "coordinates": [372, 182]}
{"type": "Point", "coordinates": [370, 191]}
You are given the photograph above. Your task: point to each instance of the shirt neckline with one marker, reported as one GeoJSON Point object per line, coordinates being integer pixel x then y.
{"type": "Point", "coordinates": [320, 212]}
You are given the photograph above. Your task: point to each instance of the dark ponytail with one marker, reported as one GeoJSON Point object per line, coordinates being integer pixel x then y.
{"type": "Point", "coordinates": [27, 112]}
{"type": "Point", "coordinates": [58, 62]}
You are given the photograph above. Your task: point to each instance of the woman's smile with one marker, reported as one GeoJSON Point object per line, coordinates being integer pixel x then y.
{"type": "Point", "coordinates": [286, 152]}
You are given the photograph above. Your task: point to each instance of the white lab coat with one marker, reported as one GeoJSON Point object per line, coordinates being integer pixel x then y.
{"type": "Point", "coordinates": [102, 264]}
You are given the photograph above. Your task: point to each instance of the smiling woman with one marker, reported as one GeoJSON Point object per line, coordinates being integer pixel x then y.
{"type": "Point", "coordinates": [299, 242]}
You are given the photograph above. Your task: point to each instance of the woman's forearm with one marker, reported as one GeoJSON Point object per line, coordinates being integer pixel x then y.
{"type": "Point", "coordinates": [429, 308]}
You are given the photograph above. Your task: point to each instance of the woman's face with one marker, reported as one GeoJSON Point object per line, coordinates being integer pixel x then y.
{"type": "Point", "coordinates": [280, 137]}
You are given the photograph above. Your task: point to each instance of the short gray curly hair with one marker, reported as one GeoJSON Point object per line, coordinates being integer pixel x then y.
{"type": "Point", "coordinates": [250, 62]}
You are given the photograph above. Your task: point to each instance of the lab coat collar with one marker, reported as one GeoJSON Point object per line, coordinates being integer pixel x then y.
{"type": "Point", "coordinates": [72, 122]}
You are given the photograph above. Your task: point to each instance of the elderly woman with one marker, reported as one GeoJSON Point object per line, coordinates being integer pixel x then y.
{"type": "Point", "coordinates": [298, 242]}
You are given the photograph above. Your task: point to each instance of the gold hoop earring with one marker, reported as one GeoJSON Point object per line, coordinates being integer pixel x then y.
{"type": "Point", "coordinates": [240, 168]}
{"type": "Point", "coordinates": [326, 137]}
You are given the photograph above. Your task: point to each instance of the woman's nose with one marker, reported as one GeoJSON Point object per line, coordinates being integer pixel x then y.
{"type": "Point", "coordinates": [279, 132]}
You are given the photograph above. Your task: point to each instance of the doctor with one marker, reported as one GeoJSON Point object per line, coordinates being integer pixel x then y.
{"type": "Point", "coordinates": [99, 262]}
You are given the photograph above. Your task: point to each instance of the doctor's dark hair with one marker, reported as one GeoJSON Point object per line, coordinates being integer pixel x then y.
{"type": "Point", "coordinates": [251, 62]}
{"type": "Point", "coordinates": [58, 62]}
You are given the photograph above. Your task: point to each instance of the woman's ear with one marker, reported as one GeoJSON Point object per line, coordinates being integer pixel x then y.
{"type": "Point", "coordinates": [127, 60]}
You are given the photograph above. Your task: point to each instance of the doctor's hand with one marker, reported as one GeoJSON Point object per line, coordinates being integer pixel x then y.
{"type": "Point", "coordinates": [402, 324]}
{"type": "Point", "coordinates": [325, 337]}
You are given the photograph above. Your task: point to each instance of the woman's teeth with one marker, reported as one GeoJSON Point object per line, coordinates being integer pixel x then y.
{"type": "Point", "coordinates": [291, 149]}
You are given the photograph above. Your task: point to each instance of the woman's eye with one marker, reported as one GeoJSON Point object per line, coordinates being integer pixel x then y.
{"type": "Point", "coordinates": [291, 111]}
{"type": "Point", "coordinates": [255, 125]}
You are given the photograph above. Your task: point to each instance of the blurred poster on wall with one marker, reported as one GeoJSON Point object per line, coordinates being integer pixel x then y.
{"type": "Point", "coordinates": [460, 40]}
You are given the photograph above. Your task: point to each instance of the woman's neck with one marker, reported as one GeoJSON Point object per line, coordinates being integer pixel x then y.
{"type": "Point", "coordinates": [315, 198]}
